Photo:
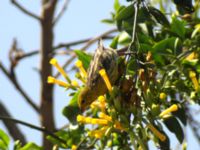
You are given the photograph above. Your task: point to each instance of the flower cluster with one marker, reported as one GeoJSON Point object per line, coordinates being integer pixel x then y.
{"type": "Point", "coordinates": [105, 122]}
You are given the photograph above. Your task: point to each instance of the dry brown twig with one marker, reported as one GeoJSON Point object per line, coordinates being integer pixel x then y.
{"type": "Point", "coordinates": [60, 14]}
{"type": "Point", "coordinates": [18, 87]}
{"type": "Point", "coordinates": [24, 10]}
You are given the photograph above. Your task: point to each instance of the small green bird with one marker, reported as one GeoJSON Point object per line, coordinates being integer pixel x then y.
{"type": "Point", "coordinates": [104, 58]}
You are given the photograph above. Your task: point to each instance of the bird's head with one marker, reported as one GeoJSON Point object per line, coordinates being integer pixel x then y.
{"type": "Point", "coordinates": [85, 98]}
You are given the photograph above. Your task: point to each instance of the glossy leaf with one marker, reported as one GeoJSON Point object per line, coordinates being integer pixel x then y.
{"type": "Point", "coordinates": [174, 126]}
{"type": "Point", "coordinates": [4, 140]}
{"type": "Point", "coordinates": [159, 16]}
{"type": "Point", "coordinates": [178, 27]}
{"type": "Point", "coordinates": [114, 42]}
{"type": "Point", "coordinates": [124, 12]}
{"type": "Point", "coordinates": [31, 146]}
{"type": "Point", "coordinates": [85, 58]}
{"type": "Point", "coordinates": [72, 110]}
{"type": "Point", "coordinates": [116, 5]}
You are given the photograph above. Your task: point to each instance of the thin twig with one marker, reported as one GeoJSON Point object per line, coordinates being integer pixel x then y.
{"type": "Point", "coordinates": [60, 14]}
{"type": "Point", "coordinates": [62, 45]}
{"type": "Point", "coordinates": [19, 88]}
{"type": "Point", "coordinates": [43, 129]}
{"type": "Point", "coordinates": [24, 10]}
{"type": "Point", "coordinates": [87, 45]}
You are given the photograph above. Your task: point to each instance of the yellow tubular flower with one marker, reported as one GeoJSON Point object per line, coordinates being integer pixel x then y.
{"type": "Point", "coordinates": [192, 76]}
{"type": "Point", "coordinates": [99, 121]}
{"type": "Point", "coordinates": [104, 116]}
{"type": "Point", "coordinates": [79, 65]}
{"type": "Point", "coordinates": [104, 75]}
{"type": "Point", "coordinates": [156, 132]}
{"type": "Point", "coordinates": [52, 80]}
{"type": "Point", "coordinates": [54, 62]}
{"type": "Point", "coordinates": [98, 133]}
{"type": "Point", "coordinates": [191, 56]}
{"type": "Point", "coordinates": [101, 99]}
{"type": "Point", "coordinates": [173, 108]}
{"type": "Point", "coordinates": [89, 120]}
{"type": "Point", "coordinates": [74, 147]}
{"type": "Point", "coordinates": [97, 104]}
{"type": "Point", "coordinates": [100, 103]}
{"type": "Point", "coordinates": [162, 96]}
{"type": "Point", "coordinates": [118, 126]}
{"type": "Point", "coordinates": [75, 83]}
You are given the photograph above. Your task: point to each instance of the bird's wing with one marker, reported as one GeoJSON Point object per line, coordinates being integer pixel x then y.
{"type": "Point", "coordinates": [103, 58]}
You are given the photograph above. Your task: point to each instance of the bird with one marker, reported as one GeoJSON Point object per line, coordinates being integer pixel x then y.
{"type": "Point", "coordinates": [104, 58]}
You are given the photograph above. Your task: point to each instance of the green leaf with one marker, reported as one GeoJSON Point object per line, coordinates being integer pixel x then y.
{"type": "Point", "coordinates": [124, 12]}
{"type": "Point", "coordinates": [61, 134]}
{"type": "Point", "coordinates": [181, 115]}
{"type": "Point", "coordinates": [124, 38]}
{"type": "Point", "coordinates": [116, 5]}
{"type": "Point", "coordinates": [192, 62]}
{"type": "Point", "coordinates": [131, 67]}
{"type": "Point", "coordinates": [108, 21]}
{"type": "Point", "coordinates": [174, 126]}
{"type": "Point", "coordinates": [17, 145]}
{"type": "Point", "coordinates": [4, 140]}
{"type": "Point", "coordinates": [159, 16]}
{"type": "Point", "coordinates": [72, 136]}
{"type": "Point", "coordinates": [163, 45]}
{"type": "Point", "coordinates": [72, 110]}
{"type": "Point", "coordinates": [114, 42]}
{"type": "Point", "coordinates": [178, 27]}
{"type": "Point", "coordinates": [31, 146]}
{"type": "Point", "coordinates": [85, 58]}
{"type": "Point", "coordinates": [145, 47]}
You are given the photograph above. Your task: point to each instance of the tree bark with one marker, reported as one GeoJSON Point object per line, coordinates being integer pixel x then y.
{"type": "Point", "coordinates": [47, 118]}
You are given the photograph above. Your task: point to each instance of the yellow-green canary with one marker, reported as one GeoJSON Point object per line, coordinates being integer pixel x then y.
{"type": "Point", "coordinates": [104, 58]}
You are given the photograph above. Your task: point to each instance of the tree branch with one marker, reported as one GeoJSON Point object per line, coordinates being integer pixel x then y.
{"type": "Point", "coordinates": [18, 87]}
{"type": "Point", "coordinates": [13, 130]}
{"type": "Point", "coordinates": [24, 10]}
{"type": "Point", "coordinates": [60, 14]}
{"type": "Point", "coordinates": [87, 45]}
{"type": "Point", "coordinates": [61, 45]}
{"type": "Point", "coordinates": [42, 129]}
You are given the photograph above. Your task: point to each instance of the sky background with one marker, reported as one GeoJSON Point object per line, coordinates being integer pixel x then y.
{"type": "Point", "coordinates": [81, 20]}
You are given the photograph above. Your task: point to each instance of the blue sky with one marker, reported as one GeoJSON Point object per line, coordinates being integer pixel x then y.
{"type": "Point", "coordinates": [81, 20]}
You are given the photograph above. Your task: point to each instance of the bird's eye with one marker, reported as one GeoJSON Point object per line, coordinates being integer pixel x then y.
{"type": "Point", "coordinates": [83, 101]}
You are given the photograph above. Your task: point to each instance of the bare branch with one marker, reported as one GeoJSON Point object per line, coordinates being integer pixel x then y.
{"type": "Point", "coordinates": [61, 45]}
{"type": "Point", "coordinates": [24, 10]}
{"type": "Point", "coordinates": [18, 87]}
{"type": "Point", "coordinates": [87, 45]}
{"type": "Point", "coordinates": [60, 14]}
{"type": "Point", "coordinates": [43, 129]}
{"type": "Point", "coordinates": [13, 130]}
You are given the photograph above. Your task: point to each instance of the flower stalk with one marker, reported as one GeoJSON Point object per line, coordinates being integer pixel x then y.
{"type": "Point", "coordinates": [156, 132]}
